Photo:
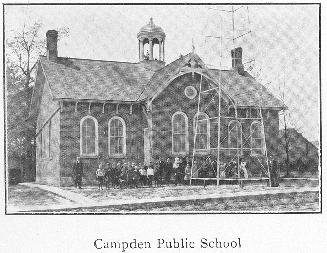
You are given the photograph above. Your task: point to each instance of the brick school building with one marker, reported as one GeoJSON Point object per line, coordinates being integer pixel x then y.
{"type": "Point", "coordinates": [122, 111]}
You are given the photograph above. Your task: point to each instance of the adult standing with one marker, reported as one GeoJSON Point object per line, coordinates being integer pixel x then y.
{"type": "Point", "coordinates": [182, 167]}
{"type": "Point", "coordinates": [108, 175]}
{"type": "Point", "coordinates": [214, 167]}
{"type": "Point", "coordinates": [168, 170]}
{"type": "Point", "coordinates": [116, 174]}
{"type": "Point", "coordinates": [195, 169]}
{"type": "Point", "coordinates": [243, 168]}
{"type": "Point", "coordinates": [159, 174]}
{"type": "Point", "coordinates": [78, 172]}
{"type": "Point", "coordinates": [176, 168]}
{"type": "Point", "coordinates": [187, 173]}
{"type": "Point", "coordinates": [210, 168]}
{"type": "Point", "coordinates": [274, 173]}
{"type": "Point", "coordinates": [222, 166]}
{"type": "Point", "coordinates": [136, 175]}
{"type": "Point", "coordinates": [142, 171]}
{"type": "Point", "coordinates": [130, 174]}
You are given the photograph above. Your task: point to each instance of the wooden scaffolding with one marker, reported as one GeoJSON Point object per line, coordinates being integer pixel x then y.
{"type": "Point", "coordinates": [237, 151]}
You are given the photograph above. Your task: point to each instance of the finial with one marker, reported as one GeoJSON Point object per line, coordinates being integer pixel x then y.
{"type": "Point", "coordinates": [193, 47]}
{"type": "Point", "coordinates": [151, 21]}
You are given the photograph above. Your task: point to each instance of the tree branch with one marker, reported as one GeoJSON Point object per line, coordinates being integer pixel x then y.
{"type": "Point", "coordinates": [20, 65]}
{"type": "Point", "coordinates": [33, 66]}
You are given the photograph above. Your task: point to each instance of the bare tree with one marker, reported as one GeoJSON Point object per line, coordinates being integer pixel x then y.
{"type": "Point", "coordinates": [22, 52]}
{"type": "Point", "coordinates": [285, 134]}
{"type": "Point", "coordinates": [25, 47]}
{"type": "Point", "coordinates": [286, 144]}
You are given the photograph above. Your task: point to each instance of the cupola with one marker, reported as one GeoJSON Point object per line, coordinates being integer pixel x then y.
{"type": "Point", "coordinates": [151, 42]}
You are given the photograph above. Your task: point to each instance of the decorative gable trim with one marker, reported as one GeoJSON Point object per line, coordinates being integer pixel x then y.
{"type": "Point", "coordinates": [191, 63]}
{"type": "Point", "coordinates": [184, 73]}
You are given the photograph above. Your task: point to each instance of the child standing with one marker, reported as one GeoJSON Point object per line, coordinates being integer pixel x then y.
{"type": "Point", "coordinates": [150, 174]}
{"type": "Point", "coordinates": [187, 174]}
{"type": "Point", "coordinates": [100, 176]}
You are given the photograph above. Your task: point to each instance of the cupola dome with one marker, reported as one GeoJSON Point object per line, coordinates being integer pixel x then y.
{"type": "Point", "coordinates": [151, 30]}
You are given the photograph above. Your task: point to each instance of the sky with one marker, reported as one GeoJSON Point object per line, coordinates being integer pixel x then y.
{"type": "Point", "coordinates": [282, 47]}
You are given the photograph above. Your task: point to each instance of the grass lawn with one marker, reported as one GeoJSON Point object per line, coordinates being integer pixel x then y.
{"type": "Point", "coordinates": [20, 195]}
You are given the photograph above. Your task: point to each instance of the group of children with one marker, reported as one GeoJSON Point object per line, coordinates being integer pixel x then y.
{"type": "Point", "coordinates": [130, 174]}
{"type": "Point", "coordinates": [125, 175]}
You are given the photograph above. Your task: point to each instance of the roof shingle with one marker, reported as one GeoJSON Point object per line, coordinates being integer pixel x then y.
{"type": "Point", "coordinates": [121, 81]}
{"type": "Point", "coordinates": [98, 80]}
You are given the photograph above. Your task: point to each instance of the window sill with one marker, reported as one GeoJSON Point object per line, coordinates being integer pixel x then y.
{"type": "Point", "coordinates": [89, 156]}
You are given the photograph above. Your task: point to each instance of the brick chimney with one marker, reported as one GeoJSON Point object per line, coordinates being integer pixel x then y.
{"type": "Point", "coordinates": [52, 39]}
{"type": "Point", "coordinates": [237, 60]}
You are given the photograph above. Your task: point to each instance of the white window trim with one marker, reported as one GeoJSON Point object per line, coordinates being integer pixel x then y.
{"type": "Point", "coordinates": [81, 137]}
{"type": "Point", "coordinates": [186, 134]}
{"type": "Point", "coordinates": [251, 143]}
{"type": "Point", "coordinates": [124, 137]}
{"type": "Point", "coordinates": [208, 129]}
{"type": "Point", "coordinates": [241, 140]}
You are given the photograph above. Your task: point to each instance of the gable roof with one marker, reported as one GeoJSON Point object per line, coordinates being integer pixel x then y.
{"type": "Point", "coordinates": [245, 90]}
{"type": "Point", "coordinates": [84, 79]}
{"type": "Point", "coordinates": [95, 80]}
{"type": "Point", "coordinates": [296, 137]}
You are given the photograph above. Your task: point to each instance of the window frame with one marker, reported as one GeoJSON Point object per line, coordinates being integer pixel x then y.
{"type": "Point", "coordinates": [124, 136]}
{"type": "Point", "coordinates": [208, 130]}
{"type": "Point", "coordinates": [229, 137]}
{"type": "Point", "coordinates": [186, 134]}
{"type": "Point", "coordinates": [95, 154]}
{"type": "Point", "coordinates": [253, 153]}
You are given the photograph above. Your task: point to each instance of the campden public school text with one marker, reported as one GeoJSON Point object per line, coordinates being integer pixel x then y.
{"type": "Point", "coordinates": [181, 243]}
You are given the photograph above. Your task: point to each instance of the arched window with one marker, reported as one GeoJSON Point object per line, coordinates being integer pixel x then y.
{"type": "Point", "coordinates": [231, 112]}
{"type": "Point", "coordinates": [117, 136]}
{"type": "Point", "coordinates": [235, 135]}
{"type": "Point", "coordinates": [256, 138]}
{"type": "Point", "coordinates": [180, 143]}
{"type": "Point", "coordinates": [202, 130]}
{"type": "Point", "coordinates": [89, 136]}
